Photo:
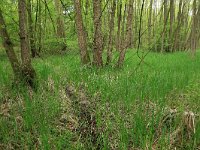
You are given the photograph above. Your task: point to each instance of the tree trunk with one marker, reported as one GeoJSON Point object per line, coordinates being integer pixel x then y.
{"type": "Point", "coordinates": [105, 23]}
{"type": "Point", "coordinates": [27, 70]}
{"type": "Point", "coordinates": [126, 44]}
{"type": "Point", "coordinates": [30, 27]}
{"type": "Point", "coordinates": [60, 23]}
{"type": "Point", "coordinates": [110, 40]}
{"type": "Point", "coordinates": [129, 27]}
{"type": "Point", "coordinates": [98, 41]}
{"type": "Point", "coordinates": [9, 47]}
{"type": "Point", "coordinates": [119, 12]}
{"type": "Point", "coordinates": [149, 22]}
{"type": "Point", "coordinates": [177, 31]}
{"type": "Point", "coordinates": [172, 14]}
{"type": "Point", "coordinates": [194, 29]}
{"type": "Point", "coordinates": [166, 14]}
{"type": "Point", "coordinates": [87, 23]}
{"type": "Point", "coordinates": [122, 37]}
{"type": "Point", "coordinates": [39, 24]}
{"type": "Point", "coordinates": [85, 59]}
{"type": "Point", "coordinates": [185, 23]}
{"type": "Point", "coordinates": [198, 26]}
{"type": "Point", "coordinates": [136, 23]}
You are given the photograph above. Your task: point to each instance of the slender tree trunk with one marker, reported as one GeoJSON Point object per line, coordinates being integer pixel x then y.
{"type": "Point", "coordinates": [36, 15]}
{"type": "Point", "coordinates": [60, 23]}
{"type": "Point", "coordinates": [25, 54]}
{"type": "Point", "coordinates": [122, 38]}
{"type": "Point", "coordinates": [190, 42]}
{"type": "Point", "coordinates": [154, 27]}
{"type": "Point", "coordinates": [136, 23]}
{"type": "Point", "coordinates": [194, 29]}
{"type": "Point", "coordinates": [128, 34]}
{"type": "Point", "coordinates": [87, 24]}
{"type": "Point", "coordinates": [85, 59]}
{"type": "Point", "coordinates": [110, 40]}
{"type": "Point", "coordinates": [98, 41]}
{"type": "Point", "coordinates": [166, 14]}
{"type": "Point", "coordinates": [172, 14]}
{"type": "Point", "coordinates": [198, 27]}
{"type": "Point", "coordinates": [129, 27]}
{"type": "Point", "coordinates": [27, 69]}
{"type": "Point", "coordinates": [187, 26]}
{"type": "Point", "coordinates": [9, 47]}
{"type": "Point", "coordinates": [31, 32]}
{"type": "Point", "coordinates": [119, 12]}
{"type": "Point", "coordinates": [39, 7]}
{"type": "Point", "coordinates": [177, 31]}
{"type": "Point", "coordinates": [105, 23]}
{"type": "Point", "coordinates": [150, 22]}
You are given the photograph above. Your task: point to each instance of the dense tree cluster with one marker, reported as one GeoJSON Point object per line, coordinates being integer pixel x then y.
{"type": "Point", "coordinates": [101, 27]}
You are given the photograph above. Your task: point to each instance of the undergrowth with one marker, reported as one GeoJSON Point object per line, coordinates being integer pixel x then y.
{"type": "Point", "coordinates": [129, 115]}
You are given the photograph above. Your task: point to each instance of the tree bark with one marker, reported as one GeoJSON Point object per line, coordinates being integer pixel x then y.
{"type": "Point", "coordinates": [98, 41]}
{"type": "Point", "coordinates": [129, 27]}
{"type": "Point", "coordinates": [172, 14]}
{"type": "Point", "coordinates": [30, 27]}
{"type": "Point", "coordinates": [136, 12]}
{"type": "Point", "coordinates": [110, 40]}
{"type": "Point", "coordinates": [119, 12]}
{"type": "Point", "coordinates": [194, 29]}
{"type": "Point", "coordinates": [27, 70]}
{"type": "Point", "coordinates": [177, 31]}
{"type": "Point", "coordinates": [149, 22]}
{"type": "Point", "coordinates": [122, 37]}
{"type": "Point", "coordinates": [166, 15]}
{"type": "Point", "coordinates": [39, 24]}
{"type": "Point", "coordinates": [128, 34]}
{"type": "Point", "coordinates": [185, 25]}
{"type": "Point", "coordinates": [198, 26]}
{"type": "Point", "coordinates": [85, 59]}
{"type": "Point", "coordinates": [60, 23]}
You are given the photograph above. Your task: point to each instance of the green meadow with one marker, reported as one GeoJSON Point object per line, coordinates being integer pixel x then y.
{"type": "Point", "coordinates": [130, 102]}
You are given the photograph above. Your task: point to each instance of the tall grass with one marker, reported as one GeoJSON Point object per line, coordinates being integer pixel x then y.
{"type": "Point", "coordinates": [158, 77]}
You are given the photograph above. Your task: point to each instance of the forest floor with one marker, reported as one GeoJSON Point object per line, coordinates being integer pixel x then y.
{"type": "Point", "coordinates": [153, 106]}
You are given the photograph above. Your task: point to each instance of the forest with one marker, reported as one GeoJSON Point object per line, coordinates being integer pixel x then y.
{"type": "Point", "coordinates": [100, 74]}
